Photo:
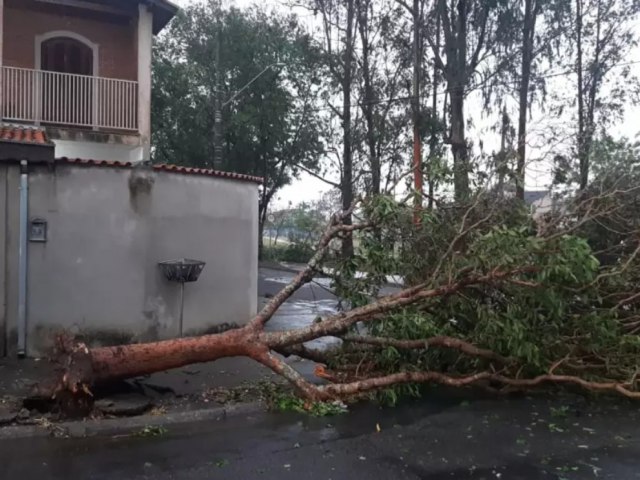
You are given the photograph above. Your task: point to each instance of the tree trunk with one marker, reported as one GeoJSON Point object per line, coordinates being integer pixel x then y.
{"type": "Point", "coordinates": [417, 141]}
{"type": "Point", "coordinates": [369, 98]}
{"type": "Point", "coordinates": [433, 140]}
{"type": "Point", "coordinates": [347, 158]}
{"type": "Point", "coordinates": [459, 145]}
{"type": "Point", "coordinates": [531, 10]}
{"type": "Point", "coordinates": [501, 161]}
{"type": "Point", "coordinates": [127, 361]}
{"type": "Point", "coordinates": [457, 78]}
{"type": "Point", "coordinates": [589, 127]}
{"type": "Point", "coordinates": [261, 238]}
{"type": "Point", "coordinates": [581, 127]}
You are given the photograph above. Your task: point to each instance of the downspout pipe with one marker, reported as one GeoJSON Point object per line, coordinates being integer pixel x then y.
{"type": "Point", "coordinates": [22, 259]}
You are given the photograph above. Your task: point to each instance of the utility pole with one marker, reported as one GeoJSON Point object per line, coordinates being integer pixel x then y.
{"type": "Point", "coordinates": [417, 146]}
{"type": "Point", "coordinates": [217, 119]}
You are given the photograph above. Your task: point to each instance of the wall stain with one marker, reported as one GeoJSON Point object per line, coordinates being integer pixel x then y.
{"type": "Point", "coordinates": [141, 180]}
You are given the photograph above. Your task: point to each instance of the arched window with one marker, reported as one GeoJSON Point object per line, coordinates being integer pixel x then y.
{"type": "Point", "coordinates": [68, 92]}
{"type": "Point", "coordinates": [66, 55]}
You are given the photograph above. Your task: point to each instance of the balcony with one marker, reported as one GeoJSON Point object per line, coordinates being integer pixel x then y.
{"type": "Point", "coordinates": [69, 100]}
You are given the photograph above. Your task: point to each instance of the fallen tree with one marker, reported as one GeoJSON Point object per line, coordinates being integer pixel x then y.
{"type": "Point", "coordinates": [491, 301]}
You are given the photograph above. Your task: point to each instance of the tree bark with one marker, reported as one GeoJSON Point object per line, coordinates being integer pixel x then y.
{"type": "Point", "coordinates": [417, 141]}
{"type": "Point", "coordinates": [261, 238]}
{"type": "Point", "coordinates": [433, 140]}
{"type": "Point", "coordinates": [531, 11]}
{"type": "Point", "coordinates": [347, 155]}
{"type": "Point", "coordinates": [579, 67]}
{"type": "Point", "coordinates": [369, 97]}
{"type": "Point", "coordinates": [126, 361]}
{"type": "Point", "coordinates": [459, 145]}
{"type": "Point", "coordinates": [589, 127]}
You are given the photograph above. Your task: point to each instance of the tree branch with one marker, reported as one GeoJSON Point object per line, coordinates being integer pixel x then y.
{"type": "Point", "coordinates": [337, 324]}
{"type": "Point", "coordinates": [438, 341]}
{"type": "Point", "coordinates": [377, 383]}
{"type": "Point", "coordinates": [306, 275]}
{"type": "Point", "coordinates": [315, 175]}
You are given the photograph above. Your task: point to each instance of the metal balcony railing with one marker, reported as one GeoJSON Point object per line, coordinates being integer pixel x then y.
{"type": "Point", "coordinates": [52, 98]}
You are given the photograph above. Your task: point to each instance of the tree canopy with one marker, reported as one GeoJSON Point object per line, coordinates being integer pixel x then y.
{"type": "Point", "coordinates": [269, 72]}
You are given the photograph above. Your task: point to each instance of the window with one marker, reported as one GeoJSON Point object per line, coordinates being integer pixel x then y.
{"type": "Point", "coordinates": [66, 55]}
{"type": "Point", "coordinates": [68, 84]}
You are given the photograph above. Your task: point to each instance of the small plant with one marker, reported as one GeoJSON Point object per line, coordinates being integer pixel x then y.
{"type": "Point", "coordinates": [559, 412]}
{"type": "Point", "coordinates": [567, 468]}
{"type": "Point", "coordinates": [555, 428]}
{"type": "Point", "coordinates": [151, 431]}
{"type": "Point", "coordinates": [290, 403]}
{"type": "Point", "coordinates": [222, 463]}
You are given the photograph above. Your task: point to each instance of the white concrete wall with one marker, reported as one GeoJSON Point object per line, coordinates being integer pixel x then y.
{"type": "Point", "coordinates": [97, 275]}
{"type": "Point", "coordinates": [99, 151]}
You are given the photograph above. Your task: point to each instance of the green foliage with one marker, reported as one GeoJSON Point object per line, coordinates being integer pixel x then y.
{"type": "Point", "coordinates": [559, 412]}
{"type": "Point", "coordinates": [551, 308]}
{"type": "Point", "coordinates": [269, 129]}
{"type": "Point", "coordinates": [293, 253]}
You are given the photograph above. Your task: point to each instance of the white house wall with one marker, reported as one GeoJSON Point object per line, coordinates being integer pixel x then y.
{"type": "Point", "coordinates": [100, 151]}
{"type": "Point", "coordinates": [97, 274]}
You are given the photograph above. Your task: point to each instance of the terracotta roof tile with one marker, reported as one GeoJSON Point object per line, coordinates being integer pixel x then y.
{"type": "Point", "coordinates": [165, 168]}
{"type": "Point", "coordinates": [31, 135]}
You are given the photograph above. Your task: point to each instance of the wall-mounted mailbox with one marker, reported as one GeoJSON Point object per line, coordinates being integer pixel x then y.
{"type": "Point", "coordinates": [38, 230]}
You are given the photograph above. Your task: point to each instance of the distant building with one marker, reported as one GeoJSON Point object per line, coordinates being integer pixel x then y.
{"type": "Point", "coordinates": [540, 201]}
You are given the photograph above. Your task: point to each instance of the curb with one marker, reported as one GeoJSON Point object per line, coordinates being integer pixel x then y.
{"type": "Point", "coordinates": [276, 266]}
{"type": "Point", "coordinates": [129, 425]}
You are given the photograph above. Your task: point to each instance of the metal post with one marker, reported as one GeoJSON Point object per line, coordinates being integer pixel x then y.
{"type": "Point", "coordinates": [22, 260]}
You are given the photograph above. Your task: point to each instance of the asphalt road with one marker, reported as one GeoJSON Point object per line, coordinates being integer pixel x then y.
{"type": "Point", "coordinates": [447, 435]}
{"type": "Point", "coordinates": [271, 281]}
{"type": "Point", "coordinates": [444, 437]}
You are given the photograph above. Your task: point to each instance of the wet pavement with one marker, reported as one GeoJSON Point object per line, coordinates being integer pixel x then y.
{"type": "Point", "coordinates": [448, 435]}
{"type": "Point", "coordinates": [445, 436]}
{"type": "Point", "coordinates": [313, 300]}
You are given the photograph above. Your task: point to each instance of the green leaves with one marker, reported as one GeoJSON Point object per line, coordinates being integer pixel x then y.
{"type": "Point", "coordinates": [290, 403]}
{"type": "Point", "coordinates": [555, 308]}
{"type": "Point", "coordinates": [271, 127]}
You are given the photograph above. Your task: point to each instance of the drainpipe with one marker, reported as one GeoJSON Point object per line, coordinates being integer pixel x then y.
{"type": "Point", "coordinates": [22, 259]}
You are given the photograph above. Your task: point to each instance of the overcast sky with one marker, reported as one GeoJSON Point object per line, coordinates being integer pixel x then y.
{"type": "Point", "coordinates": [538, 176]}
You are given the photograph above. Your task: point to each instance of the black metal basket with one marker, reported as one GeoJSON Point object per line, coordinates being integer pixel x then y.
{"type": "Point", "coordinates": [182, 270]}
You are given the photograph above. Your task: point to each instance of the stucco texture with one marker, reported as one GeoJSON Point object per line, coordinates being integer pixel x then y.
{"type": "Point", "coordinates": [97, 276]}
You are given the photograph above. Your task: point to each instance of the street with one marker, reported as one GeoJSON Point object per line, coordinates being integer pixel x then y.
{"type": "Point", "coordinates": [448, 434]}
{"type": "Point", "coordinates": [443, 436]}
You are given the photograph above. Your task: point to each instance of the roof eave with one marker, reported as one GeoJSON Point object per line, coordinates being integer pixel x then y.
{"type": "Point", "coordinates": [163, 13]}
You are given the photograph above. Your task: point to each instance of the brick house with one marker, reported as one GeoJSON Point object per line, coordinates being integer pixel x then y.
{"type": "Point", "coordinates": [84, 222]}
{"type": "Point", "coordinates": [82, 70]}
